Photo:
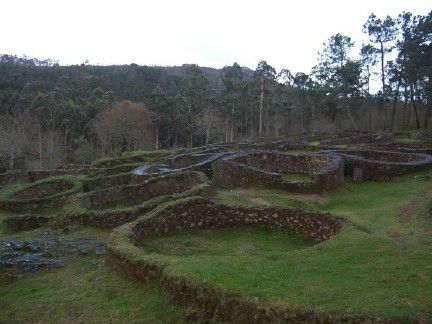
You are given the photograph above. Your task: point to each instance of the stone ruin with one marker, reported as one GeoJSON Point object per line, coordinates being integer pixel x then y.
{"type": "Point", "coordinates": [265, 169]}
{"type": "Point", "coordinates": [170, 195]}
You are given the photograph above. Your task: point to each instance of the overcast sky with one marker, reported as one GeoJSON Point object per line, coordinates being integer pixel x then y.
{"type": "Point", "coordinates": [288, 34]}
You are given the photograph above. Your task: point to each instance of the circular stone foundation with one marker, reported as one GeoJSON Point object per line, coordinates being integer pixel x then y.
{"type": "Point", "coordinates": [44, 189]}
{"type": "Point", "coordinates": [276, 170]}
{"type": "Point", "coordinates": [130, 252]}
{"type": "Point", "coordinates": [43, 194]}
{"type": "Point", "coordinates": [378, 165]}
{"type": "Point", "coordinates": [191, 161]}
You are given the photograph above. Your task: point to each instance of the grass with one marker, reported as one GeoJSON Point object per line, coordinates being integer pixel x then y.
{"type": "Point", "coordinates": [296, 177]}
{"type": "Point", "coordinates": [83, 291]}
{"type": "Point", "coordinates": [255, 197]}
{"type": "Point", "coordinates": [407, 140]}
{"type": "Point", "coordinates": [226, 242]}
{"type": "Point", "coordinates": [379, 264]}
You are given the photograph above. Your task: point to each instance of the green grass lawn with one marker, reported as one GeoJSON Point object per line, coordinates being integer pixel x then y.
{"type": "Point", "coordinates": [84, 291]}
{"type": "Point", "coordinates": [380, 264]}
{"type": "Point", "coordinates": [226, 242]}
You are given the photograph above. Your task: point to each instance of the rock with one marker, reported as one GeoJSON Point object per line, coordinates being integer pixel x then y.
{"type": "Point", "coordinates": [83, 248]}
{"type": "Point", "coordinates": [100, 248]}
{"type": "Point", "coordinates": [48, 251]}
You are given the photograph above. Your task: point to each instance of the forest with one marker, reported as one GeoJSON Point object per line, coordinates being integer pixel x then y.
{"type": "Point", "coordinates": [52, 114]}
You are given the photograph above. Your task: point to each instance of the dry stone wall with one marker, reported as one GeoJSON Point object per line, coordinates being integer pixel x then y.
{"type": "Point", "coordinates": [25, 222]}
{"type": "Point", "coordinates": [135, 193]}
{"type": "Point", "coordinates": [216, 303]}
{"type": "Point", "coordinates": [265, 169]}
{"type": "Point", "coordinates": [114, 217]}
{"type": "Point", "coordinates": [43, 189]}
{"type": "Point", "coordinates": [380, 165]}
{"type": "Point", "coordinates": [202, 213]}
{"type": "Point", "coordinates": [44, 194]}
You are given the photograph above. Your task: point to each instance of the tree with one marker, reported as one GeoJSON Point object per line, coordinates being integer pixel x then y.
{"type": "Point", "coordinates": [195, 90]}
{"type": "Point", "coordinates": [15, 138]}
{"type": "Point", "coordinates": [368, 61]}
{"type": "Point", "coordinates": [159, 105]}
{"type": "Point", "coordinates": [265, 74]}
{"type": "Point", "coordinates": [128, 126]}
{"type": "Point", "coordinates": [382, 34]}
{"type": "Point", "coordinates": [232, 78]}
{"type": "Point", "coordinates": [339, 71]}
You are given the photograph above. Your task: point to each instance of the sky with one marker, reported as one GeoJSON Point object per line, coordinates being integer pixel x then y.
{"type": "Point", "coordinates": [287, 34]}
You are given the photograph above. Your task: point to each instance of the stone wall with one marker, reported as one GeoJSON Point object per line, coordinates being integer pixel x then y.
{"type": "Point", "coordinates": [31, 205]}
{"type": "Point", "coordinates": [214, 302]}
{"type": "Point", "coordinates": [122, 168]}
{"type": "Point", "coordinates": [136, 193]}
{"type": "Point", "coordinates": [114, 217]}
{"type": "Point", "coordinates": [13, 177]}
{"type": "Point", "coordinates": [380, 165]}
{"type": "Point", "coordinates": [198, 161]}
{"type": "Point", "coordinates": [202, 213]}
{"type": "Point", "coordinates": [265, 169]}
{"type": "Point", "coordinates": [23, 176]}
{"type": "Point", "coordinates": [102, 182]}
{"type": "Point", "coordinates": [44, 189]}
{"type": "Point", "coordinates": [44, 194]}
{"type": "Point", "coordinates": [25, 222]}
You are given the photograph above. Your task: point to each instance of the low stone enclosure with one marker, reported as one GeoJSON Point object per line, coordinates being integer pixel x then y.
{"type": "Point", "coordinates": [135, 193]}
{"type": "Point", "coordinates": [43, 189]}
{"type": "Point", "coordinates": [43, 194]}
{"type": "Point", "coordinates": [143, 196]}
{"type": "Point", "coordinates": [216, 302]}
{"type": "Point", "coordinates": [190, 161]}
{"type": "Point", "coordinates": [265, 169]}
{"type": "Point", "coordinates": [24, 176]}
{"type": "Point", "coordinates": [25, 222]}
{"type": "Point", "coordinates": [380, 165]}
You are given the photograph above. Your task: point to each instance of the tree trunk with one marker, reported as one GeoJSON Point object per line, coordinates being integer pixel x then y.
{"type": "Point", "coordinates": [396, 99]}
{"type": "Point", "coordinates": [207, 134]}
{"type": "Point", "coordinates": [405, 109]}
{"type": "Point", "coordinates": [11, 161]}
{"type": "Point", "coordinates": [156, 138]}
{"type": "Point", "coordinates": [232, 123]}
{"type": "Point", "coordinates": [226, 130]}
{"type": "Point", "coordinates": [428, 104]}
{"type": "Point", "coordinates": [413, 102]}
{"type": "Point", "coordinates": [190, 139]}
{"type": "Point", "coordinates": [261, 108]}
{"type": "Point", "coordinates": [40, 147]}
{"type": "Point", "coordinates": [382, 69]}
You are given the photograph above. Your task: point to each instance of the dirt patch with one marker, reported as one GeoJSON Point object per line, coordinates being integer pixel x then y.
{"type": "Point", "coordinates": [312, 197]}
{"type": "Point", "coordinates": [396, 236]}
{"type": "Point", "coordinates": [409, 211]}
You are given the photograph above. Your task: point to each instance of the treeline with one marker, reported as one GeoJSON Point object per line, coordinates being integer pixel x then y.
{"type": "Point", "coordinates": [52, 114]}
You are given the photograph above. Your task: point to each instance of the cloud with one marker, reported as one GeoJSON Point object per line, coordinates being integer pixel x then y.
{"type": "Point", "coordinates": [287, 34]}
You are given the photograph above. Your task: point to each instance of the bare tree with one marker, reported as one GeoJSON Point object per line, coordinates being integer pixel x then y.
{"type": "Point", "coordinates": [15, 132]}
{"type": "Point", "coordinates": [128, 126]}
